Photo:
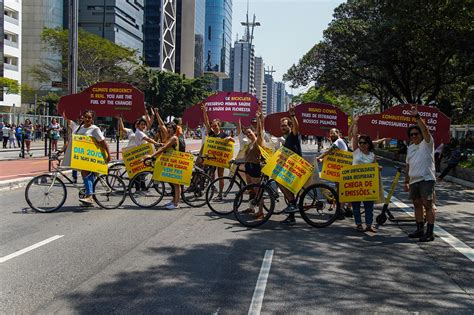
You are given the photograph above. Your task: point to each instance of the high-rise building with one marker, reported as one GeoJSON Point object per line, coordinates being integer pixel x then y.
{"type": "Point", "coordinates": [37, 15]}
{"type": "Point", "coordinates": [259, 77]}
{"type": "Point", "coordinates": [190, 24]}
{"type": "Point", "coordinates": [218, 34]}
{"type": "Point", "coordinates": [121, 22]}
{"type": "Point", "coordinates": [10, 51]}
{"type": "Point", "coordinates": [159, 34]}
{"type": "Point", "coordinates": [244, 67]}
{"type": "Point", "coordinates": [271, 94]}
{"type": "Point", "coordinates": [281, 100]}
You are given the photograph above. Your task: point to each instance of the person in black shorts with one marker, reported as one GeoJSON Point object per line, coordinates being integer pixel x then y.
{"type": "Point", "coordinates": [290, 128]}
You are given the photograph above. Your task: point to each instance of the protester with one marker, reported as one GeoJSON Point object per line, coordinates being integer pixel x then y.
{"type": "Point", "coordinates": [363, 154]}
{"type": "Point", "coordinates": [337, 143]}
{"type": "Point", "coordinates": [54, 134]}
{"type": "Point", "coordinates": [420, 179]}
{"type": "Point", "coordinates": [87, 128]}
{"type": "Point", "coordinates": [438, 155]}
{"type": "Point", "coordinates": [174, 143]}
{"type": "Point", "coordinates": [290, 129]}
{"type": "Point", "coordinates": [28, 134]}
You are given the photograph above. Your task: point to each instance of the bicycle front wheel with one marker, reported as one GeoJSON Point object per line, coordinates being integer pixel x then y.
{"type": "Point", "coordinates": [254, 205]}
{"type": "Point", "coordinates": [144, 191]}
{"type": "Point", "coordinates": [109, 191]}
{"type": "Point", "coordinates": [45, 193]}
{"type": "Point", "coordinates": [120, 170]}
{"type": "Point", "coordinates": [220, 200]}
{"type": "Point", "coordinates": [194, 195]}
{"type": "Point", "coordinates": [319, 205]}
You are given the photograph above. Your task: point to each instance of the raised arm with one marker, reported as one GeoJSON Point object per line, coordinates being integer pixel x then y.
{"type": "Point", "coordinates": [239, 128]}
{"type": "Point", "coordinates": [260, 134]}
{"type": "Point", "coordinates": [161, 125]}
{"type": "Point", "coordinates": [205, 118]}
{"type": "Point", "coordinates": [295, 126]}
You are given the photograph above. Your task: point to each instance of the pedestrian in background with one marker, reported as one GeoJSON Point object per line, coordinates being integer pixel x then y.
{"type": "Point", "coordinates": [54, 133]}
{"type": "Point", "coordinates": [28, 134]}
{"type": "Point", "coordinates": [12, 137]}
{"type": "Point", "coordinates": [453, 161]}
{"type": "Point", "coordinates": [18, 135]}
{"type": "Point", "coordinates": [420, 179]}
{"type": "Point", "coordinates": [6, 134]}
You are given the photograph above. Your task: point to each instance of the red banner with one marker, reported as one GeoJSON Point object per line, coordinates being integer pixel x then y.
{"type": "Point", "coordinates": [226, 106]}
{"type": "Point", "coordinates": [315, 119]}
{"type": "Point", "coordinates": [393, 123]}
{"type": "Point", "coordinates": [106, 99]}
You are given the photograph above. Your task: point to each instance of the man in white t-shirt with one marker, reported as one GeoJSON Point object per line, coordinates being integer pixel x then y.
{"type": "Point", "coordinates": [421, 176]}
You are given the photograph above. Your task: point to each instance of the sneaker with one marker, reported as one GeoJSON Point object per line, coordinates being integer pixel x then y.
{"type": "Point", "coordinates": [87, 200]}
{"type": "Point", "coordinates": [288, 221]}
{"type": "Point", "coordinates": [291, 208]}
{"type": "Point", "coordinates": [171, 206]}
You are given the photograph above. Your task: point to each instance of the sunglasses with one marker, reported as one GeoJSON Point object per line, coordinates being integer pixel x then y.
{"type": "Point", "coordinates": [362, 142]}
{"type": "Point", "coordinates": [414, 134]}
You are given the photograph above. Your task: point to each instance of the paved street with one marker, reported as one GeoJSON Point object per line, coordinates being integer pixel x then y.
{"type": "Point", "coordinates": [132, 260]}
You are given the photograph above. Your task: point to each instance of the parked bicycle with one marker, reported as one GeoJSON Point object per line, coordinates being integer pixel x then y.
{"type": "Point", "coordinates": [48, 192]}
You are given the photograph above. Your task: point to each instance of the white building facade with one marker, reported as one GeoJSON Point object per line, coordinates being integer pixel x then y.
{"type": "Point", "coordinates": [11, 51]}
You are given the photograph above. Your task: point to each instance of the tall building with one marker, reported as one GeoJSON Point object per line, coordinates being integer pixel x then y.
{"type": "Point", "coordinates": [218, 34]}
{"type": "Point", "coordinates": [190, 24]}
{"type": "Point", "coordinates": [243, 75]}
{"type": "Point", "coordinates": [264, 99]}
{"type": "Point", "coordinates": [271, 93]}
{"type": "Point", "coordinates": [121, 22]}
{"type": "Point", "coordinates": [281, 98]}
{"type": "Point", "coordinates": [10, 51]}
{"type": "Point", "coordinates": [159, 34]}
{"type": "Point", "coordinates": [37, 15]}
{"type": "Point", "coordinates": [259, 77]}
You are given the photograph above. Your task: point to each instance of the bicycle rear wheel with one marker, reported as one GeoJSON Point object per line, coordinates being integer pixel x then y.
{"type": "Point", "coordinates": [247, 206]}
{"type": "Point", "coordinates": [194, 195]}
{"type": "Point", "coordinates": [319, 205]}
{"type": "Point", "coordinates": [45, 193]}
{"type": "Point", "coordinates": [221, 202]}
{"type": "Point", "coordinates": [144, 191]}
{"type": "Point", "coordinates": [109, 191]}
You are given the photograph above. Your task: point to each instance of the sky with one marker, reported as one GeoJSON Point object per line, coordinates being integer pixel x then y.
{"type": "Point", "coordinates": [289, 29]}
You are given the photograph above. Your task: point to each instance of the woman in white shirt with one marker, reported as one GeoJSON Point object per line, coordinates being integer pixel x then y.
{"type": "Point", "coordinates": [363, 154]}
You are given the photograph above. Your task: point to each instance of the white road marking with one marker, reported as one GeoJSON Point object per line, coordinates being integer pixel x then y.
{"type": "Point", "coordinates": [259, 291]}
{"type": "Point", "coordinates": [456, 243]}
{"type": "Point", "coordinates": [29, 248]}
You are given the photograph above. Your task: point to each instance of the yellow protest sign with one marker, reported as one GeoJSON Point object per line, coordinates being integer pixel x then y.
{"type": "Point", "coordinates": [288, 169]}
{"type": "Point", "coordinates": [265, 152]}
{"type": "Point", "coordinates": [333, 164]}
{"type": "Point", "coordinates": [359, 183]}
{"type": "Point", "coordinates": [132, 159]}
{"type": "Point", "coordinates": [221, 151]}
{"type": "Point", "coordinates": [86, 155]}
{"type": "Point", "coordinates": [174, 167]}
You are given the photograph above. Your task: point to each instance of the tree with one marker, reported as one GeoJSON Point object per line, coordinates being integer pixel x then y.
{"type": "Point", "coordinates": [99, 59]}
{"type": "Point", "coordinates": [394, 51]}
{"type": "Point", "coordinates": [9, 86]}
{"type": "Point", "coordinates": [170, 92]}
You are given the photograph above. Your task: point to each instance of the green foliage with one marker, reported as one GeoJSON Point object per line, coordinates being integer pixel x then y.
{"type": "Point", "coordinates": [98, 59]}
{"type": "Point", "coordinates": [393, 51]}
{"type": "Point", "coordinates": [170, 92]}
{"type": "Point", "coordinates": [9, 86]}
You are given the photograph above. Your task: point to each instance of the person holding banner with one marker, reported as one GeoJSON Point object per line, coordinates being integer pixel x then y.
{"type": "Point", "coordinates": [290, 129]}
{"type": "Point", "coordinates": [363, 154]}
{"type": "Point", "coordinates": [421, 176]}
{"type": "Point", "coordinates": [214, 130]}
{"type": "Point", "coordinates": [87, 128]}
{"type": "Point", "coordinates": [173, 143]}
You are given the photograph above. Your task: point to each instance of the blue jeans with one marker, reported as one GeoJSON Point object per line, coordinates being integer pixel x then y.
{"type": "Point", "coordinates": [369, 212]}
{"type": "Point", "coordinates": [88, 183]}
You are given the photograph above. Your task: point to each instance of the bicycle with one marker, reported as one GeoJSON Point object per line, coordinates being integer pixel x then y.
{"type": "Point", "coordinates": [318, 204]}
{"type": "Point", "coordinates": [222, 203]}
{"type": "Point", "coordinates": [47, 192]}
{"type": "Point", "coordinates": [146, 192]}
